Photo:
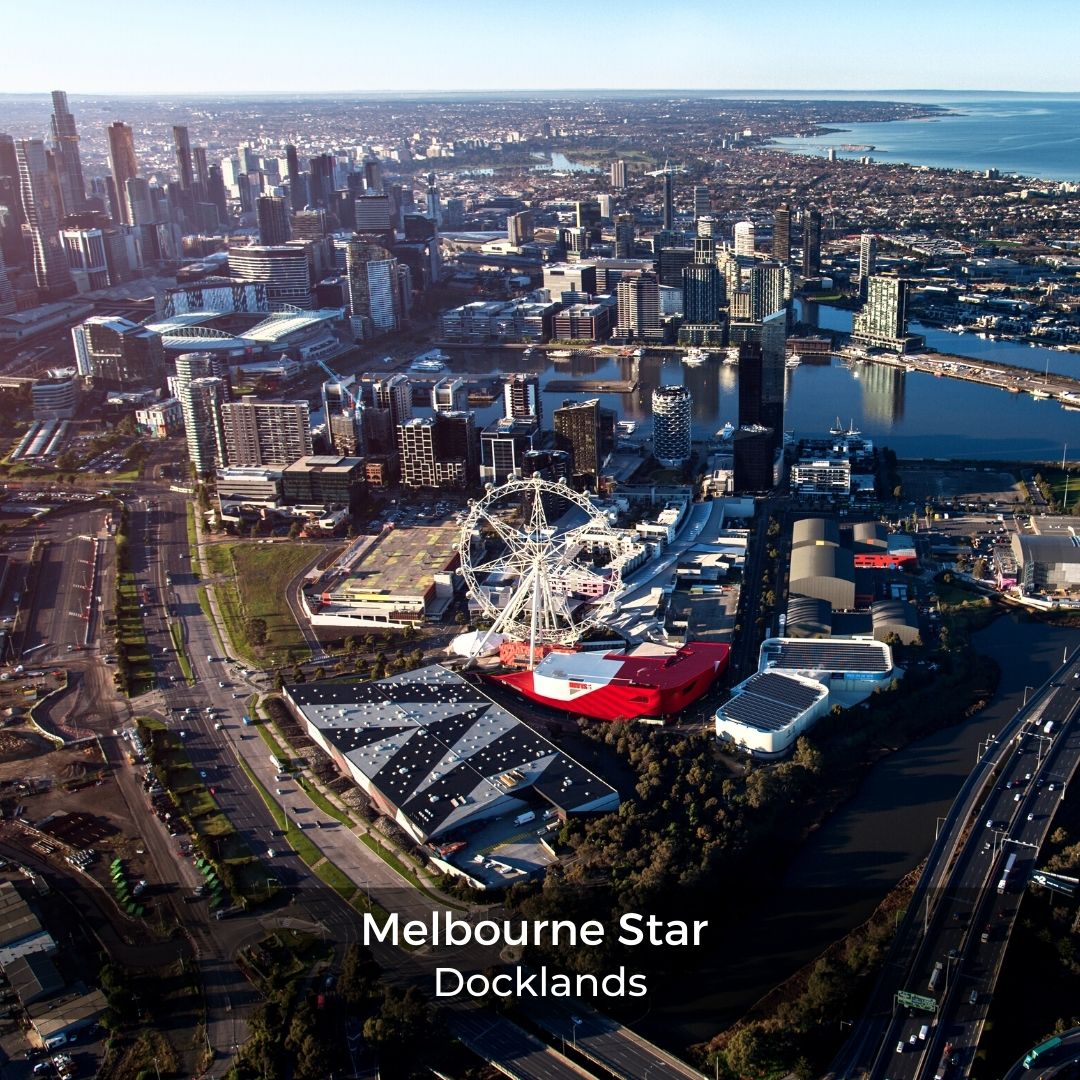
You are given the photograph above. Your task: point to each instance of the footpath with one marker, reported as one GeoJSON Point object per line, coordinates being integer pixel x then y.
{"type": "Point", "coordinates": [332, 863]}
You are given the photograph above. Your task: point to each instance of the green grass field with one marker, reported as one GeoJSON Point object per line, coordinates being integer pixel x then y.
{"type": "Point", "coordinates": [255, 587]}
{"type": "Point", "coordinates": [1058, 481]}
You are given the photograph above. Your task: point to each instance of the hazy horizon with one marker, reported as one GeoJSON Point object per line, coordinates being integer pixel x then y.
{"type": "Point", "coordinates": [440, 47]}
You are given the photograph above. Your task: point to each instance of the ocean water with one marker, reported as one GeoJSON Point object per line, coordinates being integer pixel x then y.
{"type": "Point", "coordinates": [1030, 136]}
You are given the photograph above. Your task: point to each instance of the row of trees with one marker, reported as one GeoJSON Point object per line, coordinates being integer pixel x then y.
{"type": "Point", "coordinates": [294, 1034]}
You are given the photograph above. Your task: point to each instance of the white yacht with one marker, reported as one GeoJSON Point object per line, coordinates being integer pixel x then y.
{"type": "Point", "coordinates": [694, 357]}
{"type": "Point", "coordinates": [430, 361]}
{"type": "Point", "coordinates": [726, 432]}
{"type": "Point", "coordinates": [793, 361]}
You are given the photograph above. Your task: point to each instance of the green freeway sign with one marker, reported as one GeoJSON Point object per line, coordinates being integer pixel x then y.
{"type": "Point", "coordinates": [916, 1001]}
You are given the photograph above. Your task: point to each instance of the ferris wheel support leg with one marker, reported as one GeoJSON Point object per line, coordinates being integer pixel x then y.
{"type": "Point", "coordinates": [535, 608]}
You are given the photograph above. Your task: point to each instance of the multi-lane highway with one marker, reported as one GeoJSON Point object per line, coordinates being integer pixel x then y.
{"type": "Point", "coordinates": [951, 944]}
{"type": "Point", "coordinates": [209, 712]}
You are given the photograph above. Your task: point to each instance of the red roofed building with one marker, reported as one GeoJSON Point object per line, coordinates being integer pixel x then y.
{"type": "Point", "coordinates": [614, 686]}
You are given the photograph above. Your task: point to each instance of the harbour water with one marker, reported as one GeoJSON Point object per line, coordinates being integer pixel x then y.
{"type": "Point", "coordinates": [1028, 135]}
{"type": "Point", "coordinates": [917, 415]}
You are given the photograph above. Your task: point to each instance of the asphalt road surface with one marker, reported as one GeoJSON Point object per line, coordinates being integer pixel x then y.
{"type": "Point", "coordinates": [966, 904]}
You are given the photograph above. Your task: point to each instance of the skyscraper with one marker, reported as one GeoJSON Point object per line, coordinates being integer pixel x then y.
{"type": "Point", "coordinates": [754, 458]}
{"type": "Point", "coordinates": [703, 293]}
{"type": "Point", "coordinates": [374, 290]}
{"type": "Point", "coordinates": [118, 354]}
{"type": "Point", "coordinates": [395, 395]}
{"type": "Point", "coordinates": [587, 216]}
{"type": "Point", "coordinates": [215, 192]}
{"type": "Point", "coordinates": [671, 407]}
{"type": "Point", "coordinates": [434, 209]}
{"type": "Point", "coordinates": [669, 199]}
{"type": "Point", "coordinates": [51, 273]}
{"type": "Point", "coordinates": [201, 402]}
{"type": "Point", "coordinates": [123, 165]}
{"type": "Point", "coordinates": [449, 394]}
{"type": "Point", "coordinates": [138, 202]}
{"type": "Point", "coordinates": [284, 269]}
{"type": "Point", "coordinates": [770, 288]}
{"type": "Point", "coordinates": [519, 228]}
{"type": "Point", "coordinates": [322, 169]}
{"type": "Point", "coordinates": [618, 175]}
{"type": "Point", "coordinates": [297, 187]}
{"type": "Point", "coordinates": [705, 240]}
{"type": "Point", "coordinates": [438, 451]}
{"type": "Point", "coordinates": [372, 219]}
{"type": "Point", "coordinates": [702, 201]}
{"type": "Point", "coordinates": [201, 169]}
{"type": "Point", "coordinates": [638, 299]}
{"type": "Point", "coordinates": [96, 251]}
{"type": "Point", "coordinates": [587, 432]}
{"type": "Point", "coordinates": [773, 370]}
{"type": "Point", "coordinates": [273, 213]}
{"type": "Point", "coordinates": [521, 397]}
{"type": "Point", "coordinates": [201, 388]}
{"type": "Point", "coordinates": [624, 236]}
{"type": "Point", "coordinates": [811, 256]}
{"type": "Point", "coordinates": [265, 432]}
{"type": "Point", "coordinates": [867, 260]}
{"type": "Point", "coordinates": [761, 393]}
{"type": "Point", "coordinates": [745, 239]}
{"type": "Point", "coordinates": [68, 163]}
{"type": "Point", "coordinates": [882, 321]}
{"type": "Point", "coordinates": [373, 177]}
{"type": "Point", "coordinates": [781, 236]}
{"type": "Point", "coordinates": [182, 149]}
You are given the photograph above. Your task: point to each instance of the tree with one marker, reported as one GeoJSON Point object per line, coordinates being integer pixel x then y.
{"type": "Point", "coordinates": [747, 1052]}
{"type": "Point", "coordinates": [294, 530]}
{"type": "Point", "coordinates": [350, 645]}
{"type": "Point", "coordinates": [279, 680]}
{"type": "Point", "coordinates": [320, 673]}
{"type": "Point", "coordinates": [313, 1060]}
{"type": "Point", "coordinates": [898, 491]}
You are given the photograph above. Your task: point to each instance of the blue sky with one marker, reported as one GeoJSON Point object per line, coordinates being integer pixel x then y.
{"type": "Point", "coordinates": [123, 46]}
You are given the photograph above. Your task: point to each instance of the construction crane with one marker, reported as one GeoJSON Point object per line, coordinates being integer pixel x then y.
{"type": "Point", "coordinates": [345, 392]}
{"type": "Point", "coordinates": [667, 170]}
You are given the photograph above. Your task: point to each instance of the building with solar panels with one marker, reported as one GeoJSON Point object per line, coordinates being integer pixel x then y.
{"type": "Point", "coordinates": [798, 681]}
{"type": "Point", "coordinates": [850, 668]}
{"type": "Point", "coordinates": [769, 711]}
{"type": "Point", "coordinates": [438, 756]}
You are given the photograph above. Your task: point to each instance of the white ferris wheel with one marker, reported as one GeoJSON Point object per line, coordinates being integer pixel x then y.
{"type": "Point", "coordinates": [539, 579]}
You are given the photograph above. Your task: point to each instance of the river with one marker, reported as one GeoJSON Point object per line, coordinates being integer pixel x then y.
{"type": "Point", "coordinates": [916, 414]}
{"type": "Point", "coordinates": [845, 868]}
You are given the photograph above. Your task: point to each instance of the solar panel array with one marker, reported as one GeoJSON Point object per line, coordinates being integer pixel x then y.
{"type": "Point", "coordinates": [770, 702]}
{"type": "Point", "coordinates": [436, 747]}
{"type": "Point", "coordinates": [826, 655]}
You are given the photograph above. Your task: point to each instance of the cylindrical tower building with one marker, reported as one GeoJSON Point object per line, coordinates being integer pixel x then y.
{"type": "Point", "coordinates": [671, 425]}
